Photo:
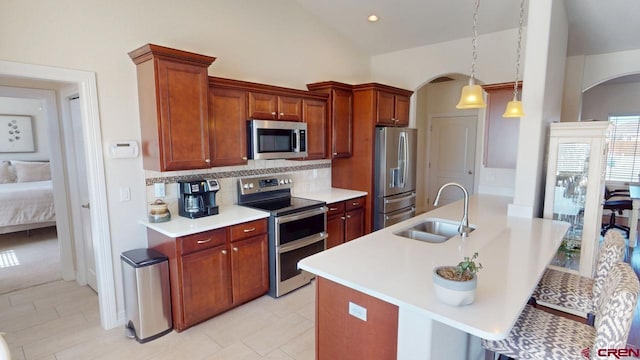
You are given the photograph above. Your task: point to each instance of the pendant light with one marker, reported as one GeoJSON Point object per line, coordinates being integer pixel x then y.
{"type": "Point", "coordinates": [472, 96]}
{"type": "Point", "coordinates": [514, 107]}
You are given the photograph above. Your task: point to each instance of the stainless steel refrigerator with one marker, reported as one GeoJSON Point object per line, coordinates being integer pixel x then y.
{"type": "Point", "coordinates": [395, 176]}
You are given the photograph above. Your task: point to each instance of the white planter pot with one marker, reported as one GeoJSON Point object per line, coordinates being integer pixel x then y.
{"type": "Point", "coordinates": [455, 293]}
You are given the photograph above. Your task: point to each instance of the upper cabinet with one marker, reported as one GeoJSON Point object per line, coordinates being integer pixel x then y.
{"type": "Point", "coordinates": [173, 101]}
{"type": "Point", "coordinates": [227, 125]}
{"type": "Point", "coordinates": [391, 104]}
{"type": "Point", "coordinates": [274, 107]}
{"type": "Point", "coordinates": [501, 141]}
{"type": "Point", "coordinates": [340, 119]}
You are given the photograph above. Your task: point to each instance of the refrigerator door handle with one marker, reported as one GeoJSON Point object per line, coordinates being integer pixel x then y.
{"type": "Point", "coordinates": [402, 159]}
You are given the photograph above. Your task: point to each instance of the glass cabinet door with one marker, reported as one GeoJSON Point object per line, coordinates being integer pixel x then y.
{"type": "Point", "coordinates": [571, 179]}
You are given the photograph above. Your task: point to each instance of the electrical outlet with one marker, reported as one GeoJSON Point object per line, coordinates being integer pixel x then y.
{"type": "Point", "coordinates": [159, 190]}
{"type": "Point", "coordinates": [357, 311]}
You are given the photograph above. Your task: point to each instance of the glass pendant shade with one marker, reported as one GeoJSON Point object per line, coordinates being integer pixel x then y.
{"type": "Point", "coordinates": [514, 109]}
{"type": "Point", "coordinates": [471, 97]}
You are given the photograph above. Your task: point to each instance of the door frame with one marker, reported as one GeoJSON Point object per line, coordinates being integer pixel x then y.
{"type": "Point", "coordinates": [101, 237]}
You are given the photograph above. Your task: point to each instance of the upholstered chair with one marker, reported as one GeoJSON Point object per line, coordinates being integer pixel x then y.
{"type": "Point", "coordinates": [570, 291]}
{"type": "Point", "coordinates": [540, 335]}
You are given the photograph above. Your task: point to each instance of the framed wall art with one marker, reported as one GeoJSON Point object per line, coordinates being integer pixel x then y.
{"type": "Point", "coordinates": [16, 134]}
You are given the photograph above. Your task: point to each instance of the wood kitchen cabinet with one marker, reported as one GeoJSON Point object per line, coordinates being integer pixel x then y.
{"type": "Point", "coordinates": [172, 93]}
{"type": "Point", "coordinates": [213, 271]}
{"type": "Point", "coordinates": [392, 108]}
{"type": "Point", "coordinates": [501, 140]}
{"type": "Point", "coordinates": [315, 115]}
{"type": "Point", "coordinates": [274, 107]}
{"type": "Point", "coordinates": [228, 126]}
{"type": "Point", "coordinates": [345, 221]}
{"type": "Point", "coordinates": [357, 171]}
{"type": "Point", "coordinates": [340, 119]}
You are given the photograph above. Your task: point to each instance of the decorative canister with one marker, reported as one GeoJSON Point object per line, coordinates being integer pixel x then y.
{"type": "Point", "coordinates": [159, 211]}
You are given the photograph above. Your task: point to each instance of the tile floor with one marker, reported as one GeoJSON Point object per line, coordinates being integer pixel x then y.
{"type": "Point", "coordinates": [60, 320]}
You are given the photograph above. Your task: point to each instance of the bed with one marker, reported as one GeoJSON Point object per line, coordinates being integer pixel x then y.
{"type": "Point", "coordinates": [26, 196]}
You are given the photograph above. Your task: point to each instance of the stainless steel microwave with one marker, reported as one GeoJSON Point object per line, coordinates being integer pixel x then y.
{"type": "Point", "coordinates": [269, 139]}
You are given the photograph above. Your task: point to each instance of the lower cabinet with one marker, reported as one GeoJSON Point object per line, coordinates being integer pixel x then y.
{"type": "Point", "coordinates": [212, 271]}
{"type": "Point", "coordinates": [345, 221]}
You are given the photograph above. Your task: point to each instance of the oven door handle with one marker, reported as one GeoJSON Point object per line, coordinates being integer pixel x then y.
{"type": "Point", "coordinates": [302, 242]}
{"type": "Point", "coordinates": [301, 215]}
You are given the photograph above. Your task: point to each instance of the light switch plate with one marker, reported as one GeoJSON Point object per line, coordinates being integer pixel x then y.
{"type": "Point", "coordinates": [357, 311]}
{"type": "Point", "coordinates": [159, 190]}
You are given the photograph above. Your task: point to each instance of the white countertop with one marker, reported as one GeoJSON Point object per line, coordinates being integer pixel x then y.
{"type": "Point", "coordinates": [228, 215]}
{"type": "Point", "coordinates": [514, 253]}
{"type": "Point", "coordinates": [331, 195]}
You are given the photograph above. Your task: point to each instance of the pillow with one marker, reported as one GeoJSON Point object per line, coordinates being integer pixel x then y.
{"type": "Point", "coordinates": [7, 173]}
{"type": "Point", "coordinates": [27, 171]}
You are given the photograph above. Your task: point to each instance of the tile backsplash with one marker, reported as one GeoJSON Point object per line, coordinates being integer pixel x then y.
{"type": "Point", "coordinates": [308, 176]}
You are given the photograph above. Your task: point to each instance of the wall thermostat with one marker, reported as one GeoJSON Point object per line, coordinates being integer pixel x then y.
{"type": "Point", "coordinates": [124, 149]}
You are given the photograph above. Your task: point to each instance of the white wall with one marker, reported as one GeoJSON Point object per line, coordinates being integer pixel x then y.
{"type": "Point", "coordinates": [273, 42]}
{"type": "Point", "coordinates": [33, 108]}
{"type": "Point", "coordinates": [602, 100]}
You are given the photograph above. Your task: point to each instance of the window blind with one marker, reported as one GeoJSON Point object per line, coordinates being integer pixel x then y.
{"type": "Point", "coordinates": [623, 158]}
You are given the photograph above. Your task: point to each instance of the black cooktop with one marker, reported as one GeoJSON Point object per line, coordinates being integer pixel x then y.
{"type": "Point", "coordinates": [285, 205]}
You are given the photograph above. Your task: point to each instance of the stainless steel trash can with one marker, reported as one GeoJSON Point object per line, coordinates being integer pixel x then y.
{"type": "Point", "coordinates": [147, 300]}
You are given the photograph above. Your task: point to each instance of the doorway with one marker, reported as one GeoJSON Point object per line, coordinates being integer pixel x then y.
{"type": "Point", "coordinates": [100, 234]}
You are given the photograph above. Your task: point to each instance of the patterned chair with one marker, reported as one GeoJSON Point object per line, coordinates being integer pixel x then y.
{"type": "Point", "coordinates": [541, 335]}
{"type": "Point", "coordinates": [575, 292]}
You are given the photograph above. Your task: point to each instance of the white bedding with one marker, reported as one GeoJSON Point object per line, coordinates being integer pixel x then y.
{"type": "Point", "coordinates": [26, 203]}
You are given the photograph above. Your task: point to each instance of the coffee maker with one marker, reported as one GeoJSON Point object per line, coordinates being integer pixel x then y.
{"type": "Point", "coordinates": [198, 198]}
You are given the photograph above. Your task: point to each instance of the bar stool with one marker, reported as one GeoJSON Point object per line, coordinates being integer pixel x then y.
{"type": "Point", "coordinates": [574, 292]}
{"type": "Point", "coordinates": [540, 335]}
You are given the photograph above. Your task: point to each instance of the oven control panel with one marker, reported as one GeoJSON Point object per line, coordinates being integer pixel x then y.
{"type": "Point", "coordinates": [264, 183]}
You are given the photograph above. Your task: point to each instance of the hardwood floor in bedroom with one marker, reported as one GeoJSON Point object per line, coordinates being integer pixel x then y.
{"type": "Point", "coordinates": [28, 259]}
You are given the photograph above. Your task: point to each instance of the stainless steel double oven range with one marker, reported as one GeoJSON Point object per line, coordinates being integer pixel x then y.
{"type": "Point", "coordinates": [297, 228]}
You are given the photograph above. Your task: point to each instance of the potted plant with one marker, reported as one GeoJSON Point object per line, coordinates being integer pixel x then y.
{"type": "Point", "coordinates": [456, 285]}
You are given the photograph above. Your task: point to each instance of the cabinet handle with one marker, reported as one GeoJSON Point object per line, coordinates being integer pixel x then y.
{"type": "Point", "coordinates": [249, 230]}
{"type": "Point", "coordinates": [281, 114]}
{"type": "Point", "coordinates": [273, 113]}
{"type": "Point", "coordinates": [348, 216]}
{"type": "Point", "coordinates": [333, 209]}
{"type": "Point", "coordinates": [207, 160]}
{"type": "Point", "coordinates": [343, 218]}
{"type": "Point", "coordinates": [355, 203]}
{"type": "Point", "coordinates": [244, 158]}
{"type": "Point", "coordinates": [235, 249]}
{"type": "Point", "coordinates": [224, 252]}
{"type": "Point", "coordinates": [204, 241]}
{"type": "Point", "coordinates": [335, 154]}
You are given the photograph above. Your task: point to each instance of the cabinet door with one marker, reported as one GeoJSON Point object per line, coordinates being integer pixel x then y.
{"type": "Point", "coordinates": [249, 268]}
{"type": "Point", "coordinates": [206, 285]}
{"type": "Point", "coordinates": [354, 224]}
{"type": "Point", "coordinates": [228, 127]}
{"type": "Point", "coordinates": [263, 106]}
{"type": "Point", "coordinates": [385, 108]}
{"type": "Point", "coordinates": [184, 127]}
{"type": "Point", "coordinates": [342, 124]}
{"type": "Point", "coordinates": [315, 115]}
{"type": "Point", "coordinates": [335, 230]}
{"type": "Point", "coordinates": [289, 108]}
{"type": "Point", "coordinates": [401, 110]}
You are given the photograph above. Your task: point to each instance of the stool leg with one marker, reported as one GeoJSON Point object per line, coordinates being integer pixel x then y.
{"type": "Point", "coordinates": [591, 319]}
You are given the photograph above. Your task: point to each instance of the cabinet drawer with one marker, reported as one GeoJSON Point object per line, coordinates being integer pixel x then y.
{"type": "Point", "coordinates": [354, 203]}
{"type": "Point", "coordinates": [201, 241]}
{"type": "Point", "coordinates": [335, 208]}
{"type": "Point", "coordinates": [248, 229]}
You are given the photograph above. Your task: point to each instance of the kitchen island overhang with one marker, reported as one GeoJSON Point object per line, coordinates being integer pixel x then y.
{"type": "Point", "coordinates": [514, 253]}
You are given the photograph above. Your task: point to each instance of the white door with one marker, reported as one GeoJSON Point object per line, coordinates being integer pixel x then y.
{"type": "Point", "coordinates": [453, 153]}
{"type": "Point", "coordinates": [82, 223]}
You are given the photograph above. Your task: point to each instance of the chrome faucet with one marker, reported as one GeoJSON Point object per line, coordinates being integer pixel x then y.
{"type": "Point", "coordinates": [463, 229]}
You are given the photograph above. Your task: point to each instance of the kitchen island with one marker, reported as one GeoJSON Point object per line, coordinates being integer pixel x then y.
{"type": "Point", "coordinates": [391, 275]}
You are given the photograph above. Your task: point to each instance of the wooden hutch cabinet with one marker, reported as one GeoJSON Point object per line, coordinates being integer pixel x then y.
{"type": "Point", "coordinates": [213, 271]}
{"type": "Point", "coordinates": [340, 123]}
{"type": "Point", "coordinates": [172, 93]}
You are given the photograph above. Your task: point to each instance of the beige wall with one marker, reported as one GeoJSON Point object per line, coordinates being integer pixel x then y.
{"type": "Point", "coordinates": [273, 42]}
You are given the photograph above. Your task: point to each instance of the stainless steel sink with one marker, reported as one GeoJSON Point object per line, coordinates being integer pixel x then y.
{"type": "Point", "coordinates": [432, 230]}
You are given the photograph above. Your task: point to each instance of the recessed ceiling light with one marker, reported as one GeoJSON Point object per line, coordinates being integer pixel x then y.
{"type": "Point", "coordinates": [373, 18]}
